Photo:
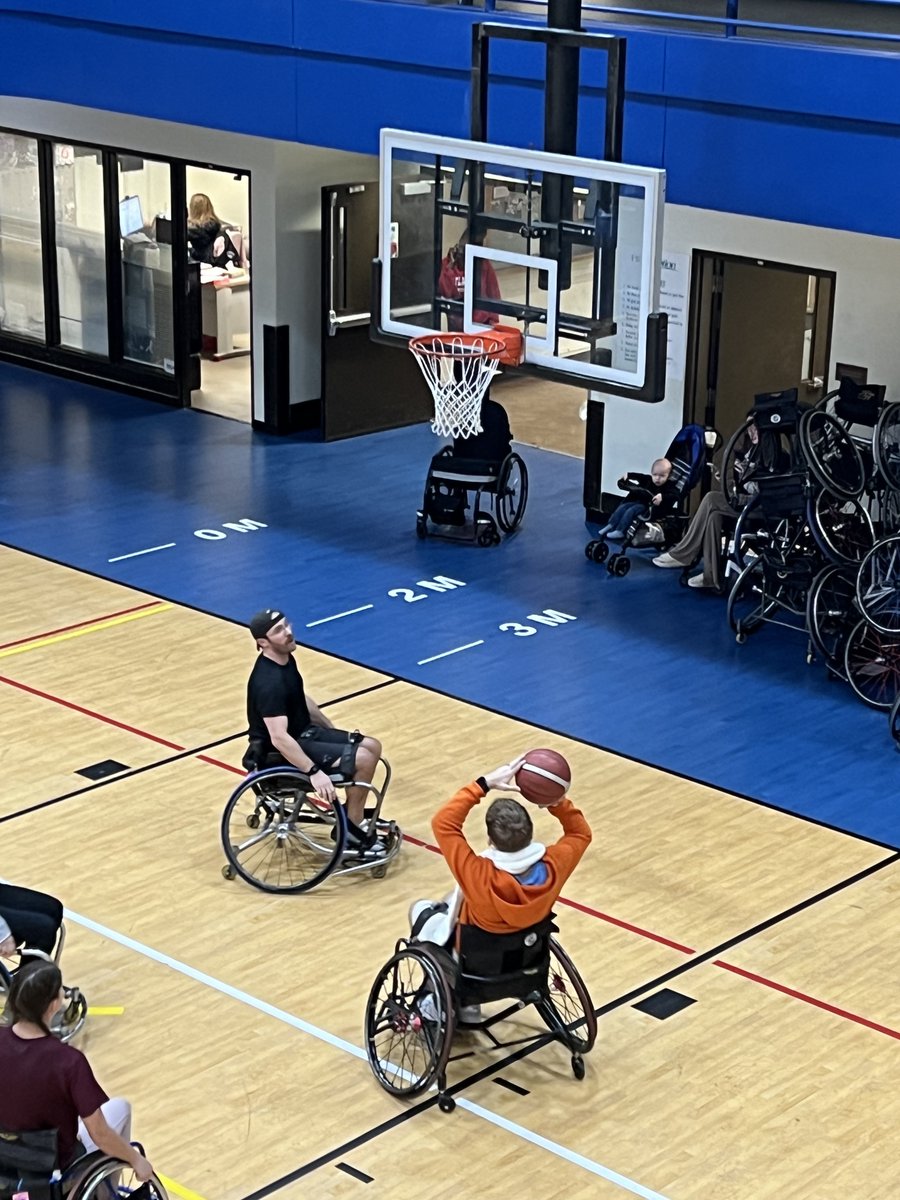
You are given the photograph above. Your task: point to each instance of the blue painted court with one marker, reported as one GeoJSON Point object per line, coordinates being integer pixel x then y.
{"type": "Point", "coordinates": [205, 512]}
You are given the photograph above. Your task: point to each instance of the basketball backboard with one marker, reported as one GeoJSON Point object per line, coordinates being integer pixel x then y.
{"type": "Point", "coordinates": [566, 249]}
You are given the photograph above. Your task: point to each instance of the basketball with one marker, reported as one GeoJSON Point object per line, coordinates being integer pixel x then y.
{"type": "Point", "coordinates": [544, 777]}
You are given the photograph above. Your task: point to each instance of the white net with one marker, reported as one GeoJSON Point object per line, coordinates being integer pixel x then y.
{"type": "Point", "coordinates": [458, 369]}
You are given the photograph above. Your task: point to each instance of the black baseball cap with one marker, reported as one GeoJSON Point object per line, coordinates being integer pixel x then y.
{"type": "Point", "coordinates": [262, 622]}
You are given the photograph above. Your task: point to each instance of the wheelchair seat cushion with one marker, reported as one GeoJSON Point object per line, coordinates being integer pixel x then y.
{"type": "Point", "coordinates": [27, 1159]}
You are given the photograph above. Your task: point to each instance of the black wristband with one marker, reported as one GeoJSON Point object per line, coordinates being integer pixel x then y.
{"type": "Point", "coordinates": [483, 784]}
{"type": "Point", "coordinates": [312, 770]}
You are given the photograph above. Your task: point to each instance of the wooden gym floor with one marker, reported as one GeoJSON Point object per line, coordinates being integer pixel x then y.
{"type": "Point", "coordinates": [235, 1022]}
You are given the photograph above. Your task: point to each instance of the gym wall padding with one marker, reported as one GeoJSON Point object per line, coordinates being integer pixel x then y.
{"type": "Point", "coordinates": [794, 132]}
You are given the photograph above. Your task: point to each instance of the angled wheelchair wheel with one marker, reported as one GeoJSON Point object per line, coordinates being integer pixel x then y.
{"type": "Point", "coordinates": [878, 585]}
{"type": "Point", "coordinates": [842, 528]}
{"type": "Point", "coordinates": [733, 466]}
{"type": "Point", "coordinates": [409, 1022]}
{"type": "Point", "coordinates": [749, 603]}
{"type": "Point", "coordinates": [109, 1179]}
{"type": "Point", "coordinates": [831, 612]}
{"type": "Point", "coordinates": [886, 445]}
{"type": "Point", "coordinates": [567, 1008]}
{"type": "Point", "coordinates": [895, 721]}
{"type": "Point", "coordinates": [512, 493]}
{"type": "Point", "coordinates": [831, 454]}
{"type": "Point", "coordinates": [597, 551]}
{"type": "Point", "coordinates": [872, 665]}
{"type": "Point", "coordinates": [278, 836]}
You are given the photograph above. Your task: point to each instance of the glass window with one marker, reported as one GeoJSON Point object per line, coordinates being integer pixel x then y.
{"type": "Point", "coordinates": [21, 262]}
{"type": "Point", "coordinates": [145, 194]}
{"type": "Point", "coordinates": [80, 248]}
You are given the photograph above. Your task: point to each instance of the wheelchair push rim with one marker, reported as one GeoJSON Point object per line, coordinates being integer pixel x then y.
{"type": "Point", "coordinates": [409, 1023]}
{"type": "Point", "coordinates": [567, 1009]}
{"type": "Point", "coordinates": [280, 837]}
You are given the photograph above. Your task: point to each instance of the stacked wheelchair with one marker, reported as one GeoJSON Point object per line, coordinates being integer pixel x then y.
{"type": "Point", "coordinates": [28, 1167]}
{"type": "Point", "coordinates": [817, 547]}
{"type": "Point", "coordinates": [279, 836]}
{"type": "Point", "coordinates": [415, 1004]}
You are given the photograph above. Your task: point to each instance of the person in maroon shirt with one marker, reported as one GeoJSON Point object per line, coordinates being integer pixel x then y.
{"type": "Point", "coordinates": [49, 1085]}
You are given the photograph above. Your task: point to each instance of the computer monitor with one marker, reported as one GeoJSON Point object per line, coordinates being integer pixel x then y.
{"type": "Point", "coordinates": [131, 218]}
{"type": "Point", "coordinates": [164, 231]}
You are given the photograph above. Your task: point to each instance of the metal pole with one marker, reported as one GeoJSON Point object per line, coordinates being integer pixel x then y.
{"type": "Point", "coordinates": [560, 129]}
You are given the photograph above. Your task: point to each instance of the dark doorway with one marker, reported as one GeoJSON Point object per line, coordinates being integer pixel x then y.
{"type": "Point", "coordinates": [754, 326]}
{"type": "Point", "coordinates": [366, 386]}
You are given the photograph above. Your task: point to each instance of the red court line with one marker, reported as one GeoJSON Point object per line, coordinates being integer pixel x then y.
{"type": "Point", "coordinates": [90, 713]}
{"type": "Point", "coordinates": [215, 762]}
{"type": "Point", "coordinates": [780, 987]}
{"type": "Point", "coordinates": [78, 625]}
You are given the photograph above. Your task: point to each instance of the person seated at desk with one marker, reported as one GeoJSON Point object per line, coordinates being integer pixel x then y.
{"type": "Point", "coordinates": [205, 227]}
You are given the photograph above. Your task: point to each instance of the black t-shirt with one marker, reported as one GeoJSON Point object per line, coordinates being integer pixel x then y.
{"type": "Point", "coordinates": [275, 691]}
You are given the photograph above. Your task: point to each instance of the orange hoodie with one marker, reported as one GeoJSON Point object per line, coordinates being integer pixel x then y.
{"type": "Point", "coordinates": [493, 899]}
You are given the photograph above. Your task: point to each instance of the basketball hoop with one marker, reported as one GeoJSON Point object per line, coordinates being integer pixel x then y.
{"type": "Point", "coordinates": [458, 368]}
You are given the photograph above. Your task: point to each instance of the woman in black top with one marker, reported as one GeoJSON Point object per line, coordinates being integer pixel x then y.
{"type": "Point", "coordinates": [204, 226]}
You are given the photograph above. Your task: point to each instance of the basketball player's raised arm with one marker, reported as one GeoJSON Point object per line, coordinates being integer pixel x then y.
{"type": "Point", "coordinates": [447, 824]}
{"type": "Point", "coordinates": [567, 852]}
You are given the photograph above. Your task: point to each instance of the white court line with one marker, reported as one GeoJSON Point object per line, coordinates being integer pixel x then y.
{"type": "Point", "coordinates": [571, 1156]}
{"type": "Point", "coordinates": [137, 553]}
{"type": "Point", "coordinates": [331, 1039]}
{"type": "Point", "coordinates": [337, 616]}
{"type": "Point", "coordinates": [435, 657]}
{"type": "Point", "coordinates": [216, 984]}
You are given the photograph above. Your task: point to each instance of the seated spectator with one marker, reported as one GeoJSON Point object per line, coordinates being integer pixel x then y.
{"type": "Point", "coordinates": [28, 917]}
{"type": "Point", "coordinates": [49, 1085]}
{"type": "Point", "coordinates": [703, 537]}
{"type": "Point", "coordinates": [654, 495]}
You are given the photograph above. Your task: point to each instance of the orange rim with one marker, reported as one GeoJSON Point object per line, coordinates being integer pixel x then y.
{"type": "Point", "coordinates": [431, 345]}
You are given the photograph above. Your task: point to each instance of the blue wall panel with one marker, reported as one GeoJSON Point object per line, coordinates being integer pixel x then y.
{"type": "Point", "coordinates": [223, 87]}
{"type": "Point", "coordinates": [266, 21]}
{"type": "Point", "coordinates": [766, 165]}
{"type": "Point", "coordinates": [799, 133]}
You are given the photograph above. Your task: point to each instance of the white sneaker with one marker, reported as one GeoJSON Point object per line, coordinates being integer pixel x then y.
{"type": "Point", "coordinates": [614, 535]}
{"type": "Point", "coordinates": [698, 581]}
{"type": "Point", "coordinates": [666, 560]}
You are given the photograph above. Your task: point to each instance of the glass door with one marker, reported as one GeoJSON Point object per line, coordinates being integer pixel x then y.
{"type": "Point", "coordinates": [80, 248]}
{"type": "Point", "coordinates": [145, 233]}
{"type": "Point", "coordinates": [21, 241]}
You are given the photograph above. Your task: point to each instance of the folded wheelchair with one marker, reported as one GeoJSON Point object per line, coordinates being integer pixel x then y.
{"type": "Point", "coordinates": [689, 452]}
{"type": "Point", "coordinates": [29, 1167]}
{"type": "Point", "coordinates": [414, 1006]}
{"type": "Point", "coordinates": [279, 836]}
{"type": "Point", "coordinates": [477, 488]}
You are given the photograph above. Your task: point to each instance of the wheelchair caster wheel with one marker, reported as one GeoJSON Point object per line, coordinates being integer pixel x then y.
{"type": "Point", "coordinates": [740, 637]}
{"type": "Point", "coordinates": [623, 566]}
{"type": "Point", "coordinates": [446, 1104]}
{"type": "Point", "coordinates": [379, 872]}
{"type": "Point", "coordinates": [253, 820]}
{"type": "Point", "coordinates": [421, 529]}
{"type": "Point", "coordinates": [578, 1066]}
{"type": "Point", "coordinates": [228, 871]}
{"type": "Point", "coordinates": [599, 551]}
{"type": "Point", "coordinates": [488, 537]}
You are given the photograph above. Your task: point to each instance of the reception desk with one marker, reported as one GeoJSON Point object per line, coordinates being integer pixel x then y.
{"type": "Point", "coordinates": [226, 313]}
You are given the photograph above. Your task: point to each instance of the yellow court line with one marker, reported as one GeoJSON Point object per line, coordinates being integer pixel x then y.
{"type": "Point", "coordinates": [109, 1010]}
{"type": "Point", "coordinates": [74, 633]}
{"type": "Point", "coordinates": [171, 1186]}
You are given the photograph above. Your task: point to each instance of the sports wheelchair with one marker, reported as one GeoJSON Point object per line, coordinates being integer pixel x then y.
{"type": "Point", "coordinates": [28, 1166]}
{"type": "Point", "coordinates": [69, 1021]}
{"type": "Point", "coordinates": [689, 453]}
{"type": "Point", "coordinates": [279, 836]}
{"type": "Point", "coordinates": [485, 466]}
{"type": "Point", "coordinates": [414, 1005]}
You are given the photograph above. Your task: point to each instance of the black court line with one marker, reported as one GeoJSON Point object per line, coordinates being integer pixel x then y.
{"type": "Point", "coordinates": [92, 787]}
{"type": "Point", "coordinates": [352, 1171]}
{"type": "Point", "coordinates": [644, 762]}
{"type": "Point", "coordinates": [546, 1039]}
